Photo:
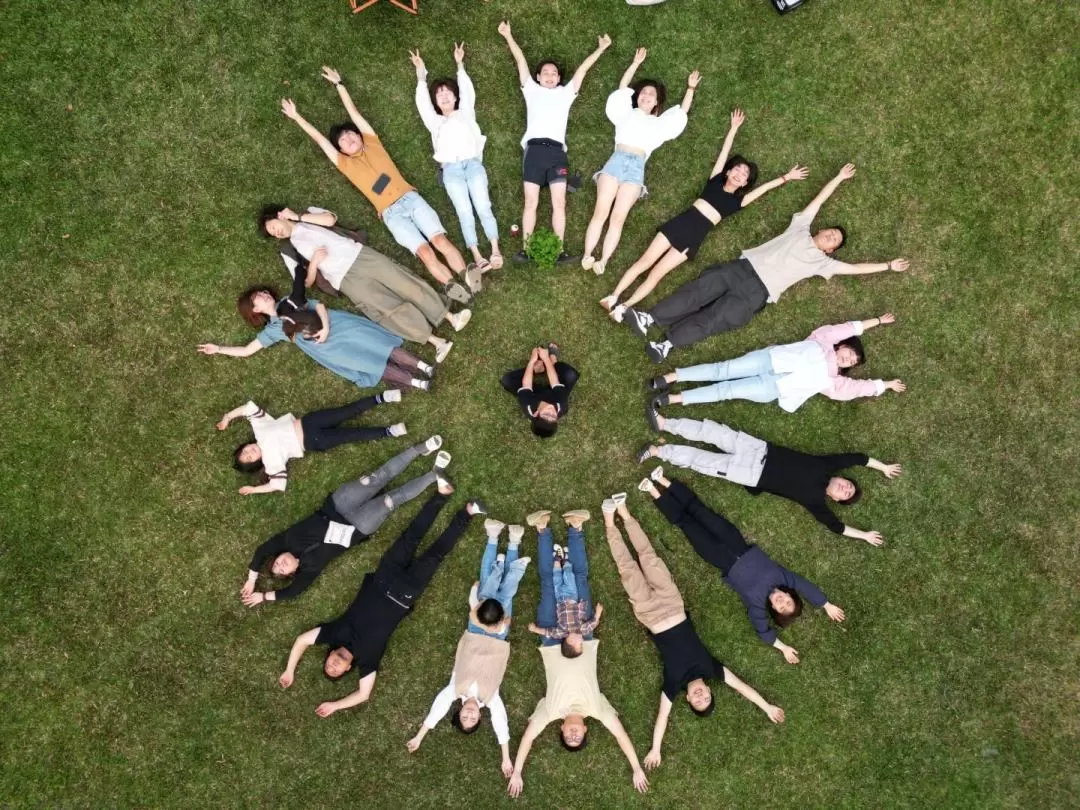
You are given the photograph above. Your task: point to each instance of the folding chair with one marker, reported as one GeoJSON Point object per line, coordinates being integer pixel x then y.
{"type": "Point", "coordinates": [360, 5]}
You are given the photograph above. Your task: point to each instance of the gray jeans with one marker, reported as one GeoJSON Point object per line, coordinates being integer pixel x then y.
{"type": "Point", "coordinates": [741, 461]}
{"type": "Point", "coordinates": [357, 500]}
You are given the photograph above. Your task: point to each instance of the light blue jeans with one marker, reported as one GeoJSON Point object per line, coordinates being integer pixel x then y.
{"type": "Point", "coordinates": [748, 377]}
{"type": "Point", "coordinates": [565, 586]}
{"type": "Point", "coordinates": [466, 183]}
{"type": "Point", "coordinates": [499, 580]}
{"type": "Point", "coordinates": [412, 221]}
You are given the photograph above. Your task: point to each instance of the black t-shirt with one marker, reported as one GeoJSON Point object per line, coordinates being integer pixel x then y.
{"type": "Point", "coordinates": [803, 478]}
{"type": "Point", "coordinates": [726, 204]}
{"type": "Point", "coordinates": [530, 398]}
{"type": "Point", "coordinates": [365, 628]}
{"type": "Point", "coordinates": [685, 658]}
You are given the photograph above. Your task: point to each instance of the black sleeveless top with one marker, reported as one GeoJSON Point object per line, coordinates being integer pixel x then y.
{"type": "Point", "coordinates": [725, 203]}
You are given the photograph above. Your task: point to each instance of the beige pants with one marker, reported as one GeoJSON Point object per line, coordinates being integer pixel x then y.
{"type": "Point", "coordinates": [647, 582]}
{"type": "Point", "coordinates": [393, 297]}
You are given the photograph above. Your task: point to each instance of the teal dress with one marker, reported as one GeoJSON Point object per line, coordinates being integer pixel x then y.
{"type": "Point", "coordinates": [357, 349]}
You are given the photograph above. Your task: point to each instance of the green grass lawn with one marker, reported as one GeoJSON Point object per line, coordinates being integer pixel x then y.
{"type": "Point", "coordinates": [140, 139]}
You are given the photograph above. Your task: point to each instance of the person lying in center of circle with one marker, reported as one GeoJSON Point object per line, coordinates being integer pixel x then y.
{"type": "Point", "coordinates": [277, 441]}
{"type": "Point", "coordinates": [483, 651]}
{"type": "Point", "coordinates": [350, 515]}
{"type": "Point", "coordinates": [546, 401]}
{"type": "Point", "coordinates": [804, 478]}
{"type": "Point", "coordinates": [727, 192]}
{"type": "Point", "coordinates": [357, 639]}
{"type": "Point", "coordinates": [658, 605]}
{"type": "Point", "coordinates": [332, 258]}
{"type": "Point", "coordinates": [788, 374]}
{"type": "Point", "coordinates": [642, 125]}
{"type": "Point", "coordinates": [767, 589]}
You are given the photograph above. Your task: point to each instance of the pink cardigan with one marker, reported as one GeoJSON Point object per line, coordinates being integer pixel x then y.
{"type": "Point", "coordinates": [809, 367]}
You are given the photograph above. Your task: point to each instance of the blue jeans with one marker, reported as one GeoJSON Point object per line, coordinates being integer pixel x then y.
{"type": "Point", "coordinates": [748, 377]}
{"type": "Point", "coordinates": [466, 184]}
{"type": "Point", "coordinates": [499, 580]}
{"type": "Point", "coordinates": [412, 222]}
{"type": "Point", "coordinates": [579, 563]}
{"type": "Point", "coordinates": [625, 167]}
{"type": "Point", "coordinates": [565, 586]}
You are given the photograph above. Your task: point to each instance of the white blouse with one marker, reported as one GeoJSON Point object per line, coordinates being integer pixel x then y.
{"type": "Point", "coordinates": [454, 137]}
{"type": "Point", "coordinates": [278, 441]}
{"type": "Point", "coordinates": [635, 128]}
{"type": "Point", "coordinates": [341, 251]}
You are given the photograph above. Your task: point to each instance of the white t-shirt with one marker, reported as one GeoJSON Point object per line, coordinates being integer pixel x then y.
{"type": "Point", "coordinates": [454, 137]}
{"type": "Point", "coordinates": [634, 128]}
{"type": "Point", "coordinates": [341, 251]}
{"type": "Point", "coordinates": [277, 440]}
{"type": "Point", "coordinates": [789, 258]}
{"type": "Point", "coordinates": [547, 111]}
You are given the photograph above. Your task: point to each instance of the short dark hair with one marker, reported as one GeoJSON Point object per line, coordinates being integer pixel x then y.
{"type": "Point", "coordinates": [250, 467]}
{"type": "Point", "coordinates": [450, 85]}
{"type": "Point", "coordinates": [455, 720]}
{"type": "Point", "coordinates": [751, 178]}
{"type": "Point", "coordinates": [338, 130]}
{"type": "Point", "coordinates": [268, 213]}
{"type": "Point", "coordinates": [247, 309]}
{"type": "Point", "coordinates": [855, 496]}
{"type": "Point", "coordinates": [843, 234]}
{"type": "Point", "coordinates": [855, 344]}
{"type": "Point", "coordinates": [542, 62]}
{"type": "Point", "coordinates": [333, 677]}
{"type": "Point", "coordinates": [567, 650]}
{"type": "Point", "coordinates": [490, 612]}
{"type": "Point", "coordinates": [708, 710]}
{"type": "Point", "coordinates": [580, 746]}
{"type": "Point", "coordinates": [544, 428]}
{"type": "Point", "coordinates": [661, 94]}
{"type": "Point", "coordinates": [785, 621]}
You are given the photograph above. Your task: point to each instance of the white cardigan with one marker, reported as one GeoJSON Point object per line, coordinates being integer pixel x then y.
{"type": "Point", "coordinates": [457, 136]}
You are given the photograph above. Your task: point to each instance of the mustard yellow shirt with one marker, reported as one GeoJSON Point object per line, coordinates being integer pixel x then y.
{"type": "Point", "coordinates": [366, 167]}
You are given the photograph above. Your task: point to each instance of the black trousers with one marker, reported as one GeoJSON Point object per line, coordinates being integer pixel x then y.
{"type": "Point", "coordinates": [725, 296]}
{"type": "Point", "coordinates": [400, 572]}
{"type": "Point", "coordinates": [568, 376]}
{"type": "Point", "coordinates": [321, 431]}
{"type": "Point", "coordinates": [714, 537]}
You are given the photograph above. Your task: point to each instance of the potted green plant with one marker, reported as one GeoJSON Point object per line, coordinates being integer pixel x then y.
{"type": "Point", "coordinates": [543, 247]}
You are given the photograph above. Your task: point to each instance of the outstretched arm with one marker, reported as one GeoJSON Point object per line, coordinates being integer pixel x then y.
{"type": "Point", "coordinates": [299, 647]}
{"type": "Point", "coordinates": [325, 218]}
{"type": "Point", "coordinates": [888, 470]}
{"type": "Point", "coordinates": [244, 410]}
{"type": "Point", "coordinates": [467, 100]}
{"type": "Point", "coordinates": [628, 76]}
{"type": "Point", "coordinates": [898, 265]}
{"type": "Point", "coordinates": [775, 713]}
{"type": "Point", "coordinates": [737, 118]}
{"type": "Point", "coordinates": [519, 57]}
{"type": "Point", "coordinates": [615, 726]}
{"type": "Point", "coordinates": [653, 758]}
{"type": "Point", "coordinates": [361, 695]}
{"type": "Point", "coordinates": [692, 82]}
{"type": "Point", "coordinates": [334, 78]}
{"type": "Point", "coordinates": [289, 108]}
{"type": "Point", "coordinates": [602, 44]}
{"type": "Point", "coordinates": [423, 98]}
{"type": "Point", "coordinates": [532, 731]}
{"type": "Point", "coordinates": [846, 173]}
{"type": "Point", "coordinates": [230, 351]}
{"type": "Point", "coordinates": [794, 173]}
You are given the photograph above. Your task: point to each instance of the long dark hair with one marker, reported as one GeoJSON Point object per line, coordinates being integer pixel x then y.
{"type": "Point", "coordinates": [751, 178]}
{"type": "Point", "coordinates": [455, 720]}
{"type": "Point", "coordinates": [855, 344]}
{"type": "Point", "coordinates": [450, 85]}
{"type": "Point", "coordinates": [246, 306]}
{"type": "Point", "coordinates": [250, 467]}
{"type": "Point", "coordinates": [780, 620]}
{"type": "Point", "coordinates": [661, 94]}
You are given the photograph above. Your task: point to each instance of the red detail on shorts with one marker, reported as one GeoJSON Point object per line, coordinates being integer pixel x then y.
{"type": "Point", "coordinates": [562, 172]}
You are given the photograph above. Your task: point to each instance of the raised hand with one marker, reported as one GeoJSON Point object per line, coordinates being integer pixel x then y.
{"type": "Point", "coordinates": [896, 385]}
{"type": "Point", "coordinates": [288, 215]}
{"type": "Point", "coordinates": [652, 759]}
{"type": "Point", "coordinates": [418, 63]}
{"type": "Point", "coordinates": [459, 52]}
{"type": "Point", "coordinates": [835, 613]}
{"type": "Point", "coordinates": [331, 75]}
{"type": "Point", "coordinates": [737, 118]}
{"type": "Point", "coordinates": [603, 42]}
{"type": "Point", "coordinates": [694, 80]}
{"type": "Point", "coordinates": [775, 713]}
{"type": "Point", "coordinates": [847, 172]}
{"type": "Point", "coordinates": [797, 173]}
{"type": "Point", "coordinates": [640, 54]}
{"type": "Point", "coordinates": [289, 108]}
{"type": "Point", "coordinates": [899, 265]}
{"type": "Point", "coordinates": [504, 30]}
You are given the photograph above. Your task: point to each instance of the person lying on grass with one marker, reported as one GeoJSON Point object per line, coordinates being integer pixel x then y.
{"type": "Point", "coordinates": [658, 605]}
{"type": "Point", "coordinates": [788, 374]}
{"type": "Point", "coordinates": [573, 691]}
{"type": "Point", "coordinates": [357, 639]}
{"type": "Point", "coordinates": [759, 466]}
{"type": "Point", "coordinates": [544, 400]}
{"type": "Point", "coordinates": [351, 514]}
{"type": "Point", "coordinates": [769, 591]}
{"type": "Point", "coordinates": [483, 651]}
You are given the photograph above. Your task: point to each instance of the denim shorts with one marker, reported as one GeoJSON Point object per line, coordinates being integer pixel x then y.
{"type": "Point", "coordinates": [626, 168]}
{"type": "Point", "coordinates": [412, 222]}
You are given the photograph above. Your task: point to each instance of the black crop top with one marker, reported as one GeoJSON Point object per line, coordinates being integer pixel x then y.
{"type": "Point", "coordinates": [725, 203]}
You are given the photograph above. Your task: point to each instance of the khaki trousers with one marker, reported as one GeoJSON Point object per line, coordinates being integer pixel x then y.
{"type": "Point", "coordinates": [647, 581]}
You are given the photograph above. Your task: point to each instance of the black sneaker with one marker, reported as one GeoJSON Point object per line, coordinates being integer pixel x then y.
{"type": "Point", "coordinates": [660, 400]}
{"type": "Point", "coordinates": [658, 351]}
{"type": "Point", "coordinates": [638, 322]}
{"type": "Point", "coordinates": [658, 384]}
{"type": "Point", "coordinates": [566, 258]}
{"type": "Point", "coordinates": [521, 257]}
{"type": "Point", "coordinates": [652, 415]}
{"type": "Point", "coordinates": [644, 453]}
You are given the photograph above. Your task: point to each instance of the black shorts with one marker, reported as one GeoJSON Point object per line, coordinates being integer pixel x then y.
{"type": "Point", "coordinates": [687, 231]}
{"type": "Point", "coordinates": [544, 162]}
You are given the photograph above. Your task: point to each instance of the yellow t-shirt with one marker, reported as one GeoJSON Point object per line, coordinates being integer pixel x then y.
{"type": "Point", "coordinates": [572, 687]}
{"type": "Point", "coordinates": [367, 167]}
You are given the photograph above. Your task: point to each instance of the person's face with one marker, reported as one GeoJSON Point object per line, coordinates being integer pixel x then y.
{"type": "Point", "coordinates": [250, 453]}
{"type": "Point", "coordinates": [840, 489]}
{"type": "Point", "coordinates": [338, 662]}
{"type": "Point", "coordinates": [573, 730]}
{"type": "Point", "coordinates": [828, 240]}
{"type": "Point", "coordinates": [263, 303]}
{"type": "Point", "coordinates": [548, 76]}
{"type": "Point", "coordinates": [782, 603]}
{"type": "Point", "coordinates": [277, 228]}
{"type": "Point", "coordinates": [470, 714]}
{"type": "Point", "coordinates": [349, 143]}
{"type": "Point", "coordinates": [646, 99]}
{"type": "Point", "coordinates": [699, 694]}
{"type": "Point", "coordinates": [738, 175]}
{"type": "Point", "coordinates": [285, 565]}
{"type": "Point", "coordinates": [846, 357]}
{"type": "Point", "coordinates": [547, 412]}
{"type": "Point", "coordinates": [445, 99]}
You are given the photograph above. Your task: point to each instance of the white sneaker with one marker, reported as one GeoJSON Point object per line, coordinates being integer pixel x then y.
{"type": "Point", "coordinates": [516, 533]}
{"type": "Point", "coordinates": [432, 444]}
{"type": "Point", "coordinates": [391, 395]}
{"type": "Point", "coordinates": [608, 507]}
{"type": "Point", "coordinates": [442, 460]}
{"type": "Point", "coordinates": [443, 351]}
{"type": "Point", "coordinates": [617, 313]}
{"type": "Point", "coordinates": [657, 474]}
{"type": "Point", "coordinates": [460, 320]}
{"type": "Point", "coordinates": [423, 385]}
{"type": "Point", "coordinates": [398, 429]}
{"type": "Point", "coordinates": [587, 262]}
{"type": "Point", "coordinates": [619, 498]}
{"type": "Point", "coordinates": [646, 485]}
{"type": "Point", "coordinates": [499, 558]}
{"type": "Point", "coordinates": [493, 528]}
{"type": "Point", "coordinates": [608, 301]}
{"type": "Point", "coordinates": [599, 268]}
{"type": "Point", "coordinates": [425, 368]}
{"type": "Point", "coordinates": [444, 485]}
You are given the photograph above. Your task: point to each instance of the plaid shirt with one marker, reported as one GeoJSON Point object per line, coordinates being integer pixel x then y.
{"type": "Point", "coordinates": [570, 618]}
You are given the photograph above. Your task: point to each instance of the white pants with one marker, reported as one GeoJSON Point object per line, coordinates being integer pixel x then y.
{"type": "Point", "coordinates": [741, 461]}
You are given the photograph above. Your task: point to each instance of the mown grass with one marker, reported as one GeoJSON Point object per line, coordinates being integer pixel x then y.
{"type": "Point", "coordinates": [140, 140]}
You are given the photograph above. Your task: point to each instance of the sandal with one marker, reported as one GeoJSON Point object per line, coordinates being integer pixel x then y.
{"type": "Point", "coordinates": [483, 265]}
{"type": "Point", "coordinates": [496, 261]}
